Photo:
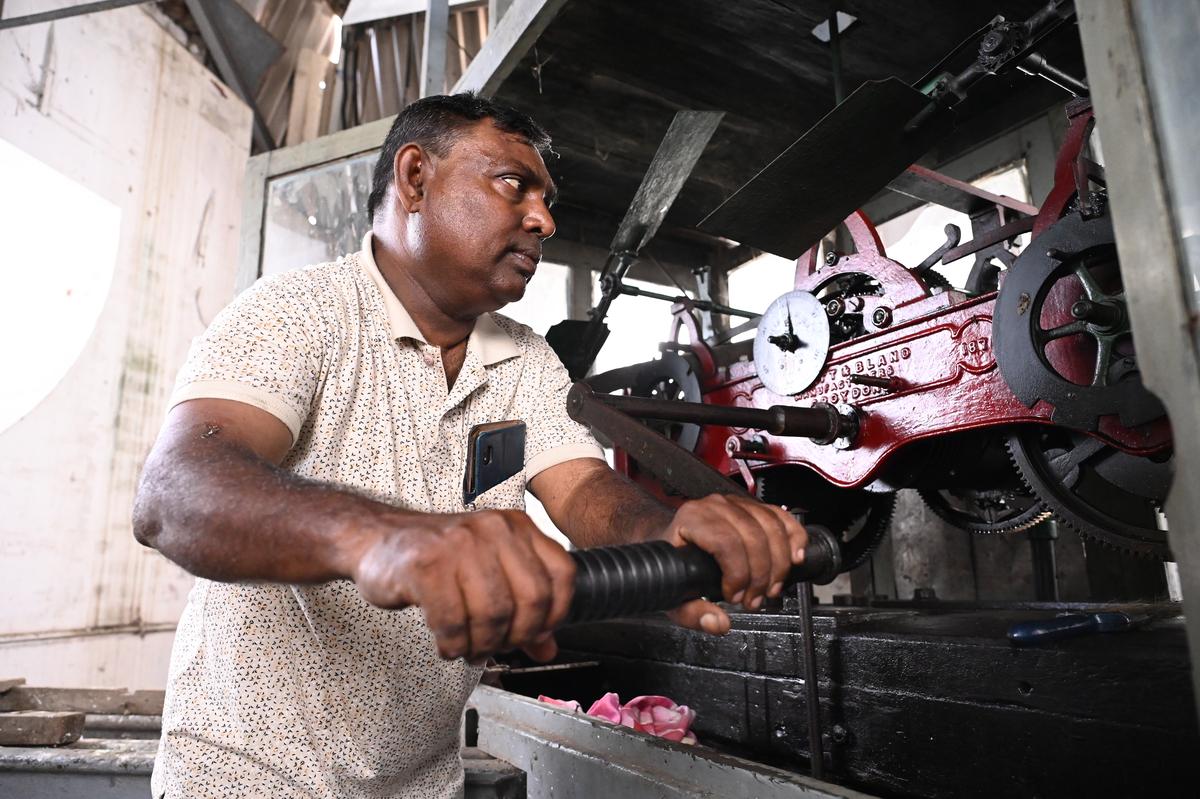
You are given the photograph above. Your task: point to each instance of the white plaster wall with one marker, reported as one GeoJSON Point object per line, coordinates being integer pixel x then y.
{"type": "Point", "coordinates": [114, 103]}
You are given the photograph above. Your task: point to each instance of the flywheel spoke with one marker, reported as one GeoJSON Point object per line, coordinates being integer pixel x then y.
{"type": "Point", "coordinates": [1069, 329]}
{"type": "Point", "coordinates": [1104, 349]}
{"type": "Point", "coordinates": [1090, 287]}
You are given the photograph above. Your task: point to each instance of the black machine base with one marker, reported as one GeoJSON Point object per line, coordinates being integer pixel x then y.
{"type": "Point", "coordinates": [918, 701]}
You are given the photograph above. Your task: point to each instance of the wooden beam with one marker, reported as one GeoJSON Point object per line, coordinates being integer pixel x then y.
{"type": "Point", "coordinates": [40, 728]}
{"type": "Point", "coordinates": [512, 37]}
{"type": "Point", "coordinates": [433, 54]}
{"type": "Point", "coordinates": [83, 700]}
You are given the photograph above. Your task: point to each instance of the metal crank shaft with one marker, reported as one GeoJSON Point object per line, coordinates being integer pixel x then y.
{"type": "Point", "coordinates": [822, 422]}
{"type": "Point", "coordinates": [641, 578]}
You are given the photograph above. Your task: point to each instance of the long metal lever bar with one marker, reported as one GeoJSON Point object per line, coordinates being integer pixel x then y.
{"type": "Point", "coordinates": [821, 422]}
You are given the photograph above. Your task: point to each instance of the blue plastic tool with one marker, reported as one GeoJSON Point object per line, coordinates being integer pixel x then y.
{"type": "Point", "coordinates": [1041, 631]}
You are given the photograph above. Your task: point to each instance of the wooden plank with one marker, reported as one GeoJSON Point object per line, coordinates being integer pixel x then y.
{"type": "Point", "coordinates": [40, 728]}
{"type": "Point", "coordinates": [433, 54]}
{"type": "Point", "coordinates": [304, 114]}
{"type": "Point", "coordinates": [345, 143]}
{"type": "Point", "coordinates": [83, 700]}
{"type": "Point", "coordinates": [5, 685]}
{"type": "Point", "coordinates": [515, 33]}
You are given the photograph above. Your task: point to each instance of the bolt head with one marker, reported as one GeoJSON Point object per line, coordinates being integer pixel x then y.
{"type": "Point", "coordinates": [882, 317]}
{"type": "Point", "coordinates": [831, 258]}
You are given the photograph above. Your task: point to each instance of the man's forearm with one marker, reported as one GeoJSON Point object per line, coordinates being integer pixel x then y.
{"type": "Point", "coordinates": [222, 512]}
{"type": "Point", "coordinates": [608, 508]}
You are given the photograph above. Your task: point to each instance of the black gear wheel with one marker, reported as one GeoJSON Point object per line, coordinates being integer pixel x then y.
{"type": "Point", "coordinates": [1094, 488]}
{"type": "Point", "coordinates": [1038, 343]}
{"type": "Point", "coordinates": [846, 323]}
{"type": "Point", "coordinates": [986, 510]}
{"type": "Point", "coordinates": [859, 519]}
{"type": "Point", "coordinates": [670, 377]}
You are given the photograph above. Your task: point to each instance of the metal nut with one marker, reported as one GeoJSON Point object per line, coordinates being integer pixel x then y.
{"type": "Point", "coordinates": [882, 317]}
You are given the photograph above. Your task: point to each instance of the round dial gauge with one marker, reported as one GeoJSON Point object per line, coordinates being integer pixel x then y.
{"type": "Point", "coordinates": [792, 343]}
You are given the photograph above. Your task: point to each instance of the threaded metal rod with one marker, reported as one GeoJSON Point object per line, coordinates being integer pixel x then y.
{"type": "Point", "coordinates": [821, 422]}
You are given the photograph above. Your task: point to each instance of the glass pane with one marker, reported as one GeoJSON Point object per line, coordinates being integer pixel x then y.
{"type": "Point", "coordinates": [316, 215]}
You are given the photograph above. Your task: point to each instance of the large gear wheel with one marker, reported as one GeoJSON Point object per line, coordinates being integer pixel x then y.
{"type": "Point", "coordinates": [860, 519]}
{"type": "Point", "coordinates": [670, 377]}
{"type": "Point", "coordinates": [1094, 488]}
{"type": "Point", "coordinates": [1062, 331]}
{"type": "Point", "coordinates": [986, 510]}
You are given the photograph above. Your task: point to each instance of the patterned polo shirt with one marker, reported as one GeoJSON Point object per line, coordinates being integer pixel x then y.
{"type": "Point", "coordinates": [307, 690]}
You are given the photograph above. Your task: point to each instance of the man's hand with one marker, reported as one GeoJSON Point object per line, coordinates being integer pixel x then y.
{"type": "Point", "coordinates": [487, 581]}
{"type": "Point", "coordinates": [755, 544]}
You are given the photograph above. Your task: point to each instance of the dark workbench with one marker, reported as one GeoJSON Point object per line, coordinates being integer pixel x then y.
{"type": "Point", "coordinates": [916, 701]}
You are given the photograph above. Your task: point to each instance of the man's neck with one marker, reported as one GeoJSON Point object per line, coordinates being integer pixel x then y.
{"type": "Point", "coordinates": [438, 328]}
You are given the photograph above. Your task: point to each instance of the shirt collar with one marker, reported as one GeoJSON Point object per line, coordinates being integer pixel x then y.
{"type": "Point", "coordinates": [488, 340]}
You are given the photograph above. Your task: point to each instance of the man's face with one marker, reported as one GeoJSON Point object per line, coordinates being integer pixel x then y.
{"type": "Point", "coordinates": [483, 219]}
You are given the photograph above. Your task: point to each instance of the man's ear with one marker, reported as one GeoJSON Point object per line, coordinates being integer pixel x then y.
{"type": "Point", "coordinates": [410, 172]}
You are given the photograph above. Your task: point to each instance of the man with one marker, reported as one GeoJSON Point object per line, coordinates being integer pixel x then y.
{"type": "Point", "coordinates": [310, 473]}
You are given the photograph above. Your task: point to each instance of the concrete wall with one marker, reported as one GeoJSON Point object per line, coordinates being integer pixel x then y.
{"type": "Point", "coordinates": [112, 102]}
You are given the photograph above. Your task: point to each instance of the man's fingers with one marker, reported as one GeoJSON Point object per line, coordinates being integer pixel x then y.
{"type": "Point", "coordinates": [734, 537]}
{"type": "Point", "coordinates": [776, 535]}
{"type": "Point", "coordinates": [446, 615]}
{"type": "Point", "coordinates": [796, 534]}
{"type": "Point", "coordinates": [700, 614]}
{"type": "Point", "coordinates": [715, 531]}
{"type": "Point", "coordinates": [489, 600]}
{"type": "Point", "coordinates": [561, 568]}
{"type": "Point", "coordinates": [758, 552]}
{"type": "Point", "coordinates": [529, 581]}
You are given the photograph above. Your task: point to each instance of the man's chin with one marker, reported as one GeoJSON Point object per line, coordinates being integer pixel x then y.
{"type": "Point", "coordinates": [510, 294]}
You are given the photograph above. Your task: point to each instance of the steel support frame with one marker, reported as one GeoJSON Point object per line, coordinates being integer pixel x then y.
{"type": "Point", "coordinates": [1151, 242]}
{"type": "Point", "coordinates": [572, 756]}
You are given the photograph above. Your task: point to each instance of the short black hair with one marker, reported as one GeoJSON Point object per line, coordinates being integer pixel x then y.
{"type": "Point", "coordinates": [436, 122]}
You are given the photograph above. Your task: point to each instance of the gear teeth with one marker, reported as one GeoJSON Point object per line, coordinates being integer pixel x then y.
{"type": "Point", "coordinates": [882, 524]}
{"type": "Point", "coordinates": [1136, 549]}
{"type": "Point", "coordinates": [1016, 526]}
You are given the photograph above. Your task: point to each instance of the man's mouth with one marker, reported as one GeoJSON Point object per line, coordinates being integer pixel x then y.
{"type": "Point", "coordinates": [526, 262]}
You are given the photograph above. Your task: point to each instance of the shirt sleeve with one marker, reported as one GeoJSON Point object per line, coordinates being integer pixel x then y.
{"type": "Point", "coordinates": [551, 437]}
{"type": "Point", "coordinates": [264, 349]}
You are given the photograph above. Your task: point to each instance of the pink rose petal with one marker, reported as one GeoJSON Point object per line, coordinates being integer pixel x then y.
{"type": "Point", "coordinates": [655, 715]}
{"type": "Point", "coordinates": [607, 707]}
{"type": "Point", "coordinates": [565, 704]}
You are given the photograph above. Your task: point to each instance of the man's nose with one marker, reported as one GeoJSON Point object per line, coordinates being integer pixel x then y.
{"type": "Point", "coordinates": [539, 221]}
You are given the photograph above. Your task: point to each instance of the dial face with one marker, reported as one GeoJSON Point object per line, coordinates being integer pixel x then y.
{"type": "Point", "coordinates": [792, 343]}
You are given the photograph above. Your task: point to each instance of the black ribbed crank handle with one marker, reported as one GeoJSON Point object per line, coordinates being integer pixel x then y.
{"type": "Point", "coordinates": [641, 578]}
